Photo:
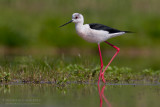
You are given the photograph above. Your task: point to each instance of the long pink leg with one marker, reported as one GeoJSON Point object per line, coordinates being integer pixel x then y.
{"type": "Point", "coordinates": [102, 74]}
{"type": "Point", "coordinates": [101, 63]}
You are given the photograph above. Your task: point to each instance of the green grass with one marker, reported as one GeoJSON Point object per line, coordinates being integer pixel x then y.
{"type": "Point", "coordinates": [62, 70]}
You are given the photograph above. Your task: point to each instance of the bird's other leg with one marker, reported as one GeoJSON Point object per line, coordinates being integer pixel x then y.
{"type": "Point", "coordinates": [100, 55]}
{"type": "Point", "coordinates": [118, 49]}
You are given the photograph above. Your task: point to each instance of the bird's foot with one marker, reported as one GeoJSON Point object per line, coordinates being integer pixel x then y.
{"type": "Point", "coordinates": [103, 79]}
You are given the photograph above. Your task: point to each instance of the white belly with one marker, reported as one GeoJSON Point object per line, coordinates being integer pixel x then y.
{"type": "Point", "coordinates": [94, 36]}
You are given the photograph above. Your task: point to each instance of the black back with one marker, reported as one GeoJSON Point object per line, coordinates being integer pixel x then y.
{"type": "Point", "coordinates": [103, 27]}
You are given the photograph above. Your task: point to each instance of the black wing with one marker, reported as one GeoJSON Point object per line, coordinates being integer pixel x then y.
{"type": "Point", "coordinates": [103, 27]}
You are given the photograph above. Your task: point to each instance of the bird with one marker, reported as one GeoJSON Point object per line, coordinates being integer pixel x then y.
{"type": "Point", "coordinates": [96, 33]}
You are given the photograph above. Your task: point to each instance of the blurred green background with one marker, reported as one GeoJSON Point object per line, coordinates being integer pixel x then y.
{"type": "Point", "coordinates": [33, 25]}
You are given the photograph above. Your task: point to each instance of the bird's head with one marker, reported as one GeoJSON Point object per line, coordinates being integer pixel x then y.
{"type": "Point", "coordinates": [76, 18]}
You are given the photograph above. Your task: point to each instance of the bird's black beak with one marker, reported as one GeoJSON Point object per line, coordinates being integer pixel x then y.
{"type": "Point", "coordinates": [66, 23]}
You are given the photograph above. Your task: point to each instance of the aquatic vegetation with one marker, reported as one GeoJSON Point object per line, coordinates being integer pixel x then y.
{"type": "Point", "coordinates": [5, 77]}
{"type": "Point", "coordinates": [59, 71]}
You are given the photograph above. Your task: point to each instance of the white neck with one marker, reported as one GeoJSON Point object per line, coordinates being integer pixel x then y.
{"type": "Point", "coordinates": [78, 26]}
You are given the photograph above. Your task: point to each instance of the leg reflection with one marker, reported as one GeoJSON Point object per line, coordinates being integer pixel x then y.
{"type": "Point", "coordinates": [101, 95]}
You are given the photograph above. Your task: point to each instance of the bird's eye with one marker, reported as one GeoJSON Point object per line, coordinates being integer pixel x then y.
{"type": "Point", "coordinates": [76, 17]}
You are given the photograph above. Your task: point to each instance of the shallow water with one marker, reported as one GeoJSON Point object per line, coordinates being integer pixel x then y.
{"type": "Point", "coordinates": [80, 95]}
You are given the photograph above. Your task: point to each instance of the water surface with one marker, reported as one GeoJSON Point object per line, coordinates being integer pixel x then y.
{"type": "Point", "coordinates": [80, 95]}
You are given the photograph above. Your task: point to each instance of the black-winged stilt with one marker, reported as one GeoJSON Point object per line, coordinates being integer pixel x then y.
{"type": "Point", "coordinates": [96, 33]}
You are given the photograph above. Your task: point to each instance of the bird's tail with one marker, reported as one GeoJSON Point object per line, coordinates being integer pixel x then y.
{"type": "Point", "coordinates": [129, 32]}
